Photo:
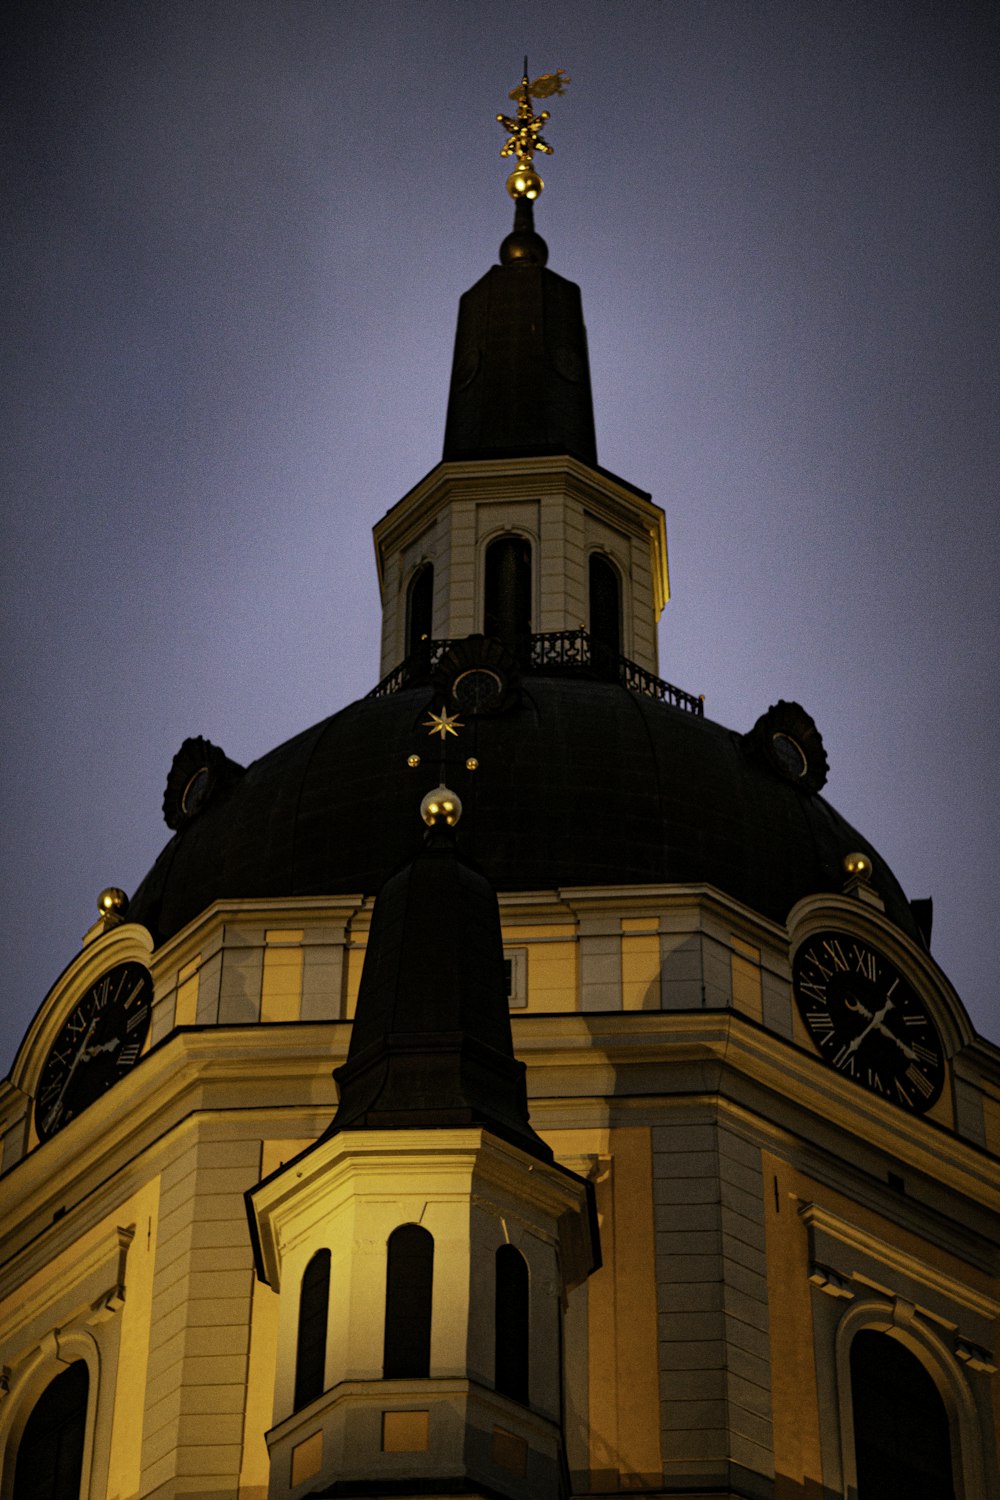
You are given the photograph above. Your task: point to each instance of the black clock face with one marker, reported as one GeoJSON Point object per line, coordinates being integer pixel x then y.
{"type": "Point", "coordinates": [98, 1044]}
{"type": "Point", "coordinates": [866, 1019]}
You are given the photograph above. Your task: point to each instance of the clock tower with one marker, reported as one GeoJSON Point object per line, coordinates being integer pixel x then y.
{"type": "Point", "coordinates": [614, 1133]}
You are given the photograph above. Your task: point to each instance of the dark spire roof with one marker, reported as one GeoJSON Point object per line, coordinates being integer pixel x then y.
{"type": "Point", "coordinates": [431, 1044]}
{"type": "Point", "coordinates": [520, 382]}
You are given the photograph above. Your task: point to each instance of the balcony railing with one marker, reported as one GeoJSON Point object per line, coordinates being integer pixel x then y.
{"type": "Point", "coordinates": [551, 653]}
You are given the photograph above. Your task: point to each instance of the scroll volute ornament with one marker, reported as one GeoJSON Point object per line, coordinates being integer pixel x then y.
{"type": "Point", "coordinates": [787, 739]}
{"type": "Point", "coordinates": [200, 771]}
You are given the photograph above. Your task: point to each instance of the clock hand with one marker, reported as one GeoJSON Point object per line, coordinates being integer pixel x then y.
{"type": "Point", "coordinates": [880, 1026]}
{"type": "Point", "coordinates": [56, 1109]}
{"type": "Point", "coordinates": [111, 1046]}
{"type": "Point", "coordinates": [874, 1024]}
{"type": "Point", "coordinates": [907, 1051]}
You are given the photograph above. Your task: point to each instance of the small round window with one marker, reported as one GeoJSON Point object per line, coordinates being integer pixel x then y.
{"type": "Point", "coordinates": [194, 793]}
{"type": "Point", "coordinates": [789, 755]}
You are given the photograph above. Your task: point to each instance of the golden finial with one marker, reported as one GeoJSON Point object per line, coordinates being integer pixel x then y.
{"type": "Point", "coordinates": [523, 136]}
{"type": "Point", "coordinates": [858, 867]}
{"type": "Point", "coordinates": [112, 903]}
{"type": "Point", "coordinates": [442, 805]}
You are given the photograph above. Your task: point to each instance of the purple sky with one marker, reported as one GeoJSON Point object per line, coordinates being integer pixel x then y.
{"type": "Point", "coordinates": [236, 237]}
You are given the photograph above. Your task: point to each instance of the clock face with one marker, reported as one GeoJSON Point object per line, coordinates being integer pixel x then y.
{"type": "Point", "coordinates": [867, 1020]}
{"type": "Point", "coordinates": [98, 1044]}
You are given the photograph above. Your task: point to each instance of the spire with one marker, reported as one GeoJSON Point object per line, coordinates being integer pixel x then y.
{"type": "Point", "coordinates": [520, 383]}
{"type": "Point", "coordinates": [431, 1045]}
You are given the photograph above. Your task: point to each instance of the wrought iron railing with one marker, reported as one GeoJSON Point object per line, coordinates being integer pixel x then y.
{"type": "Point", "coordinates": [550, 652]}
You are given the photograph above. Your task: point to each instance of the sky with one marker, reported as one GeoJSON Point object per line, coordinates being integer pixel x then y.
{"type": "Point", "coordinates": [235, 239]}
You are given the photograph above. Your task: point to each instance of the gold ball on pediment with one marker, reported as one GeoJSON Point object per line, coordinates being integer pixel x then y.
{"type": "Point", "coordinates": [112, 902]}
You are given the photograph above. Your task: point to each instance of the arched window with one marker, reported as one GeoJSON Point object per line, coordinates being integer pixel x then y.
{"type": "Point", "coordinates": [511, 1336]}
{"type": "Point", "coordinates": [419, 609]}
{"type": "Point", "coordinates": [507, 594]}
{"type": "Point", "coordinates": [901, 1439]}
{"type": "Point", "coordinates": [310, 1351]}
{"type": "Point", "coordinates": [50, 1454]}
{"type": "Point", "coordinates": [605, 611]}
{"type": "Point", "coordinates": [408, 1283]}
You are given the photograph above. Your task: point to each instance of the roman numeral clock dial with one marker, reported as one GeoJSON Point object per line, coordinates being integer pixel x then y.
{"type": "Point", "coordinates": [99, 1043]}
{"type": "Point", "coordinates": [866, 1019]}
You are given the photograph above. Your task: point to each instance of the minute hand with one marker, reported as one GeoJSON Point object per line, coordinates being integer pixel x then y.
{"type": "Point", "coordinates": [56, 1110]}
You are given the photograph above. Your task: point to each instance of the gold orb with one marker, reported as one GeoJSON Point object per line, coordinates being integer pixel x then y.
{"type": "Point", "coordinates": [441, 806]}
{"type": "Point", "coordinates": [112, 902]}
{"type": "Point", "coordinates": [413, 761]}
{"type": "Point", "coordinates": [524, 182]}
{"type": "Point", "coordinates": [858, 866]}
{"type": "Point", "coordinates": [472, 764]}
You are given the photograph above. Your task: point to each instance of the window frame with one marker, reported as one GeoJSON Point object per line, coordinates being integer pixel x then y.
{"type": "Point", "coordinates": [319, 1263]}
{"type": "Point", "coordinates": [407, 1279]}
{"type": "Point", "coordinates": [900, 1319]}
{"type": "Point", "coordinates": [58, 1351]}
{"type": "Point", "coordinates": [413, 643]}
{"type": "Point", "coordinates": [603, 557]}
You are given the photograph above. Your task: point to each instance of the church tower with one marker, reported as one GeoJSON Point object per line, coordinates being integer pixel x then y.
{"type": "Point", "coordinates": [611, 1132]}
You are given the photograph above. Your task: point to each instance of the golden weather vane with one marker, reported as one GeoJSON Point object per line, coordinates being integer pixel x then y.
{"type": "Point", "coordinates": [523, 131]}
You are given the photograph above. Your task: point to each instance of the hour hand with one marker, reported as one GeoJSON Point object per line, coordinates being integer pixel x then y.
{"type": "Point", "coordinates": [111, 1046]}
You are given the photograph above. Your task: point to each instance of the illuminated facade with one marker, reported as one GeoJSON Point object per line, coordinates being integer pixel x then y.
{"type": "Point", "coordinates": [752, 1249]}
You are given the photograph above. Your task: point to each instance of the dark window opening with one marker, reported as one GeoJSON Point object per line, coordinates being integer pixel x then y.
{"type": "Point", "coordinates": [408, 1284]}
{"type": "Point", "coordinates": [310, 1352]}
{"type": "Point", "coordinates": [901, 1439]}
{"type": "Point", "coordinates": [50, 1454]}
{"type": "Point", "coordinates": [419, 609]}
{"type": "Point", "coordinates": [507, 613]}
{"type": "Point", "coordinates": [605, 613]}
{"type": "Point", "coordinates": [511, 1325]}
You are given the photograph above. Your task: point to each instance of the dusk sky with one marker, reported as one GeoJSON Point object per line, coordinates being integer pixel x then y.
{"type": "Point", "coordinates": [236, 235]}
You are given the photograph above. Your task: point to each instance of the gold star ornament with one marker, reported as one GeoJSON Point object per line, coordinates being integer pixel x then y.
{"type": "Point", "coordinates": [443, 724]}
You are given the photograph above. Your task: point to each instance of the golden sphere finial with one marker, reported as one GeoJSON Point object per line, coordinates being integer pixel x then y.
{"type": "Point", "coordinates": [524, 182]}
{"type": "Point", "coordinates": [112, 902]}
{"type": "Point", "coordinates": [858, 867]}
{"type": "Point", "coordinates": [441, 805]}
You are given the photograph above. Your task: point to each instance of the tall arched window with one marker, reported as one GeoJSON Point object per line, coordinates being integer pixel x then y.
{"type": "Point", "coordinates": [310, 1350]}
{"type": "Point", "coordinates": [408, 1284]}
{"type": "Point", "coordinates": [507, 593]}
{"type": "Point", "coordinates": [50, 1454]}
{"type": "Point", "coordinates": [901, 1440]}
{"type": "Point", "coordinates": [511, 1323]}
{"type": "Point", "coordinates": [419, 609]}
{"type": "Point", "coordinates": [605, 611]}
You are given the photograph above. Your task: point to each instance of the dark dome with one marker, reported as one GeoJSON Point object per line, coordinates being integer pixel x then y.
{"type": "Point", "coordinates": [582, 783]}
